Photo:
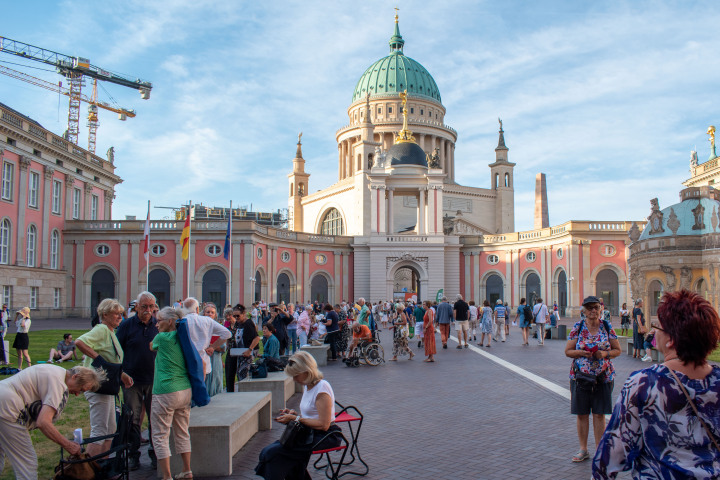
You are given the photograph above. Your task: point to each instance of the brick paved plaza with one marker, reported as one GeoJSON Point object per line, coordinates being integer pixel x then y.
{"type": "Point", "coordinates": [462, 417]}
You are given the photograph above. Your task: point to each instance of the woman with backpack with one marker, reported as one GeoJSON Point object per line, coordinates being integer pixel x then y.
{"type": "Point", "coordinates": [523, 317]}
{"type": "Point", "coordinates": [591, 344]}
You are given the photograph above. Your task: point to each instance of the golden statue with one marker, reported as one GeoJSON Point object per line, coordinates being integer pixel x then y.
{"type": "Point", "coordinates": [711, 132]}
{"type": "Point", "coordinates": [405, 135]}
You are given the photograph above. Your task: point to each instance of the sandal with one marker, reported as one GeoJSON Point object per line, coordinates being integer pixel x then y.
{"type": "Point", "coordinates": [581, 456]}
{"type": "Point", "coordinates": [184, 475]}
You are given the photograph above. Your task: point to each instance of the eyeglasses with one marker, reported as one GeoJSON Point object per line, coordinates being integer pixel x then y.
{"type": "Point", "coordinates": [236, 316]}
{"type": "Point", "coordinates": [658, 327]}
{"type": "Point", "coordinates": [146, 307]}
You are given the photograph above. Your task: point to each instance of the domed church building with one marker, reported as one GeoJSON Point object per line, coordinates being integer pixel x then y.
{"type": "Point", "coordinates": [396, 192]}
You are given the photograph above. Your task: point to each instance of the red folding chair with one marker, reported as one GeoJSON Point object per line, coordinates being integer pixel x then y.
{"type": "Point", "coordinates": [332, 469]}
{"type": "Point", "coordinates": [350, 415]}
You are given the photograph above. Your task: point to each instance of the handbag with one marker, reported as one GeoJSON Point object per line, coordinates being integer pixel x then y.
{"type": "Point", "coordinates": [259, 369]}
{"type": "Point", "coordinates": [692, 404]}
{"type": "Point", "coordinates": [74, 468]}
{"type": "Point", "coordinates": [111, 386]}
{"type": "Point", "coordinates": [295, 434]}
{"type": "Point", "coordinates": [586, 381]}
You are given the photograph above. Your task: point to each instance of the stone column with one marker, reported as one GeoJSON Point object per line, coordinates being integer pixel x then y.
{"type": "Point", "coordinates": [441, 152]}
{"type": "Point", "coordinates": [374, 209]}
{"type": "Point", "coordinates": [439, 208]}
{"type": "Point", "coordinates": [134, 267]}
{"type": "Point", "coordinates": [24, 164]}
{"type": "Point", "coordinates": [467, 256]}
{"type": "Point", "coordinates": [586, 270]}
{"type": "Point", "coordinates": [346, 279]}
{"type": "Point", "coordinates": [107, 207]}
{"type": "Point", "coordinates": [341, 171]}
{"type": "Point", "coordinates": [391, 211]}
{"type": "Point", "coordinates": [249, 272]}
{"type": "Point", "coordinates": [476, 280]}
{"type": "Point", "coordinates": [69, 182]}
{"type": "Point", "coordinates": [272, 268]}
{"type": "Point", "coordinates": [306, 274]}
{"type": "Point", "coordinates": [382, 203]}
{"type": "Point", "coordinates": [88, 205]}
{"type": "Point", "coordinates": [80, 275]}
{"type": "Point", "coordinates": [431, 212]}
{"type": "Point", "coordinates": [236, 274]}
{"type": "Point", "coordinates": [180, 291]}
{"type": "Point", "coordinates": [543, 275]}
{"type": "Point", "coordinates": [47, 196]}
{"type": "Point", "coordinates": [422, 212]}
{"type": "Point", "coordinates": [451, 159]}
{"type": "Point", "coordinates": [192, 263]}
{"type": "Point", "coordinates": [516, 276]}
{"type": "Point", "coordinates": [301, 274]}
{"type": "Point", "coordinates": [507, 285]}
{"type": "Point", "coordinates": [422, 141]}
{"type": "Point", "coordinates": [123, 280]}
{"type": "Point", "coordinates": [337, 258]}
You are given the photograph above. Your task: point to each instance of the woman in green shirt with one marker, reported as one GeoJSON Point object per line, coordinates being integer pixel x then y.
{"type": "Point", "coordinates": [171, 395]}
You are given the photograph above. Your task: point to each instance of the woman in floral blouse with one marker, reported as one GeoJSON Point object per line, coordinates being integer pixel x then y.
{"type": "Point", "coordinates": [666, 422]}
{"type": "Point", "coordinates": [591, 344]}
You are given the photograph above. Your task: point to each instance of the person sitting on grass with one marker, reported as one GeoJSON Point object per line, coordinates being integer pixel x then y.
{"type": "Point", "coordinates": [64, 351]}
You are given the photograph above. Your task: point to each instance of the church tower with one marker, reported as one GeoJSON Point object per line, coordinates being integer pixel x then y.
{"type": "Point", "coordinates": [501, 178]}
{"type": "Point", "coordinates": [298, 189]}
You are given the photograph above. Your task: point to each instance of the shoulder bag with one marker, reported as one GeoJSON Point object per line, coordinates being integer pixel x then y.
{"type": "Point", "coordinates": [692, 404]}
{"type": "Point", "coordinates": [111, 386]}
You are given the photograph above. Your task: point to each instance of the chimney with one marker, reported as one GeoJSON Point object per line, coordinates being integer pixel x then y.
{"type": "Point", "coordinates": [542, 219]}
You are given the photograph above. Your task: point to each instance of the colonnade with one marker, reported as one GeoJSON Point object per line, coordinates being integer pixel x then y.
{"type": "Point", "coordinates": [348, 165]}
{"type": "Point", "coordinates": [429, 209]}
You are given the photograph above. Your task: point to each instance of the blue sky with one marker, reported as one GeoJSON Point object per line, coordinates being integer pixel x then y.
{"type": "Point", "coordinates": [606, 98]}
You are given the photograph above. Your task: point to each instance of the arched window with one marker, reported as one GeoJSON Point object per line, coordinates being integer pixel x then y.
{"type": "Point", "coordinates": [497, 180]}
{"type": "Point", "coordinates": [54, 246]}
{"type": "Point", "coordinates": [31, 242]}
{"type": "Point", "coordinates": [507, 179]}
{"type": "Point", "coordinates": [332, 223]}
{"type": "Point", "coordinates": [5, 236]}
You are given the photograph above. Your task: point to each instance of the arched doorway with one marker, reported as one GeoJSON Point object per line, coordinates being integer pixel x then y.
{"type": "Point", "coordinates": [532, 288]}
{"type": "Point", "coordinates": [562, 292]}
{"type": "Point", "coordinates": [102, 287]}
{"type": "Point", "coordinates": [258, 286]}
{"type": "Point", "coordinates": [701, 288]}
{"type": "Point", "coordinates": [406, 281]}
{"type": "Point", "coordinates": [283, 288]}
{"type": "Point", "coordinates": [319, 289]}
{"type": "Point", "coordinates": [159, 285]}
{"type": "Point", "coordinates": [214, 287]}
{"type": "Point", "coordinates": [494, 289]}
{"type": "Point", "coordinates": [655, 292]}
{"type": "Point", "coordinates": [606, 287]}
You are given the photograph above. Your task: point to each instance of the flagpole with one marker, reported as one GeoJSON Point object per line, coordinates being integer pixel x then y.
{"type": "Point", "coordinates": [189, 249]}
{"type": "Point", "coordinates": [229, 300]}
{"type": "Point", "coordinates": [147, 261]}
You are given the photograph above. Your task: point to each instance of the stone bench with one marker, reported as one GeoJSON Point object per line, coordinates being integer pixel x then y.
{"type": "Point", "coordinates": [319, 353]}
{"type": "Point", "coordinates": [280, 386]}
{"type": "Point", "coordinates": [655, 354]}
{"type": "Point", "coordinates": [220, 429]}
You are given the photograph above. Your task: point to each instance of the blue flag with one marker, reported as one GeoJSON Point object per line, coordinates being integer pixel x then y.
{"type": "Point", "coordinates": [226, 249]}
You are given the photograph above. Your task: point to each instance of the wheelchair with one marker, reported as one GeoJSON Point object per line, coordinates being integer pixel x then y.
{"type": "Point", "coordinates": [370, 353]}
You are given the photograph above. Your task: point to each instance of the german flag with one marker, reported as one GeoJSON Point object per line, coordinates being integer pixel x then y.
{"type": "Point", "coordinates": [185, 237]}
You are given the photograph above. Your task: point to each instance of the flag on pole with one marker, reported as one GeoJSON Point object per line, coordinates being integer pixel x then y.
{"type": "Point", "coordinates": [147, 235]}
{"type": "Point", "coordinates": [185, 237]}
{"type": "Point", "coordinates": [226, 249]}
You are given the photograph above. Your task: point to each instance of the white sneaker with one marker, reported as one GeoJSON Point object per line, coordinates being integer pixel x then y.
{"type": "Point", "coordinates": [646, 358]}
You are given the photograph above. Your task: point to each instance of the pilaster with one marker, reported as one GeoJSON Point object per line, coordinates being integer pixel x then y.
{"type": "Point", "coordinates": [422, 212]}
{"type": "Point", "coordinates": [345, 276]}
{"type": "Point", "coordinates": [24, 164]}
{"type": "Point", "coordinates": [179, 272]}
{"type": "Point", "coordinates": [47, 196]}
{"type": "Point", "coordinates": [107, 206]}
{"type": "Point", "coordinates": [87, 188]}
{"type": "Point", "coordinates": [306, 274]}
{"type": "Point", "coordinates": [123, 295]}
{"type": "Point", "coordinates": [391, 211]}
{"type": "Point", "coordinates": [80, 275]}
{"type": "Point", "coordinates": [69, 182]}
{"type": "Point", "coordinates": [235, 274]}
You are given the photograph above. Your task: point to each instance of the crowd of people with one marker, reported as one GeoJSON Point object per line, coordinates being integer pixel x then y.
{"type": "Point", "coordinates": [156, 379]}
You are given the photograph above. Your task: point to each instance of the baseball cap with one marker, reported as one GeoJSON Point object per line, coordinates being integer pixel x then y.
{"type": "Point", "coordinates": [590, 299]}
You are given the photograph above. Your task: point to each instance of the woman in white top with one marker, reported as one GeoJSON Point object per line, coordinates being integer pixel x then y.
{"type": "Point", "coordinates": [317, 412]}
{"type": "Point", "coordinates": [22, 341]}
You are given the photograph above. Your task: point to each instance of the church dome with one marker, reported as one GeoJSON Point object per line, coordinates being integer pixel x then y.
{"type": "Point", "coordinates": [407, 153]}
{"type": "Point", "coordinates": [396, 73]}
{"type": "Point", "coordinates": [698, 213]}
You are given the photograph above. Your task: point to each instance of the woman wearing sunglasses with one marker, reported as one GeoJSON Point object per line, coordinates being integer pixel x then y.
{"type": "Point", "coordinates": [317, 412]}
{"type": "Point", "coordinates": [665, 423]}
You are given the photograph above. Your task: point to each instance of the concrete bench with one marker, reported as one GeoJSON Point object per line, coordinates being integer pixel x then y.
{"type": "Point", "coordinates": [319, 353]}
{"type": "Point", "coordinates": [623, 342]}
{"type": "Point", "coordinates": [220, 429]}
{"type": "Point", "coordinates": [280, 386]}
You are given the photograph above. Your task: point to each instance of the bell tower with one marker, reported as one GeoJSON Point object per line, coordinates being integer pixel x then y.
{"type": "Point", "coordinates": [501, 182]}
{"type": "Point", "coordinates": [298, 181]}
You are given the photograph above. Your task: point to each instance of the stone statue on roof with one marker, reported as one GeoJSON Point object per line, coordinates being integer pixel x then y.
{"type": "Point", "coordinates": [111, 155]}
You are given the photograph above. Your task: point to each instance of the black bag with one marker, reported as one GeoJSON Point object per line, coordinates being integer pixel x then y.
{"type": "Point", "coordinates": [587, 381]}
{"type": "Point", "coordinates": [111, 386]}
{"type": "Point", "coordinates": [528, 314]}
{"type": "Point", "coordinates": [259, 370]}
{"type": "Point", "coordinates": [295, 434]}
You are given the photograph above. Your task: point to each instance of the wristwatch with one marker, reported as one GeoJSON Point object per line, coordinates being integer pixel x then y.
{"type": "Point", "coordinates": [297, 418]}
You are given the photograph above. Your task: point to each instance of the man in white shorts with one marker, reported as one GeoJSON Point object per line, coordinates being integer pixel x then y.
{"type": "Point", "coordinates": [461, 314]}
{"type": "Point", "coordinates": [500, 313]}
{"type": "Point", "coordinates": [540, 312]}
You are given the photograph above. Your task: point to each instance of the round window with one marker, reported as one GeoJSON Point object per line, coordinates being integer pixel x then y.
{"type": "Point", "coordinates": [213, 250]}
{"type": "Point", "coordinates": [560, 252]}
{"type": "Point", "coordinates": [285, 257]}
{"type": "Point", "coordinates": [530, 256]}
{"type": "Point", "coordinates": [493, 259]}
{"type": "Point", "coordinates": [102, 250]}
{"type": "Point", "coordinates": [158, 250]}
{"type": "Point", "coordinates": [259, 252]}
{"type": "Point", "coordinates": [320, 259]}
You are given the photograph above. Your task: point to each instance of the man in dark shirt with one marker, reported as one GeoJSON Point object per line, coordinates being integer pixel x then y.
{"type": "Point", "coordinates": [246, 336]}
{"type": "Point", "coordinates": [280, 321]}
{"type": "Point", "coordinates": [332, 322]}
{"type": "Point", "coordinates": [134, 335]}
{"type": "Point", "coordinates": [461, 312]}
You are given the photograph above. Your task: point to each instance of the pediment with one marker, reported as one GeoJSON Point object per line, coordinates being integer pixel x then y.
{"type": "Point", "coordinates": [464, 227]}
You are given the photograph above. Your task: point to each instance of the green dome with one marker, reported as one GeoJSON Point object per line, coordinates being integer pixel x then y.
{"type": "Point", "coordinates": [396, 73]}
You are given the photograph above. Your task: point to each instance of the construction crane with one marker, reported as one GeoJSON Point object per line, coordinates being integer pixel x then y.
{"type": "Point", "coordinates": [75, 69]}
{"type": "Point", "coordinates": [94, 103]}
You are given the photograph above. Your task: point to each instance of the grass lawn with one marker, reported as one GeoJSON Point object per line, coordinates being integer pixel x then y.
{"type": "Point", "coordinates": [75, 415]}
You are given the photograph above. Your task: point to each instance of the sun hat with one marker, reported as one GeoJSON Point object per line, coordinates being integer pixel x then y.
{"type": "Point", "coordinates": [25, 312]}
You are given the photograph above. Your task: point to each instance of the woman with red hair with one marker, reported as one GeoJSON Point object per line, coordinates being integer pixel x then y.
{"type": "Point", "coordinates": [666, 423]}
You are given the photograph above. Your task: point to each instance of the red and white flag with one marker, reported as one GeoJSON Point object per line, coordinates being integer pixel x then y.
{"type": "Point", "coordinates": [147, 235]}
